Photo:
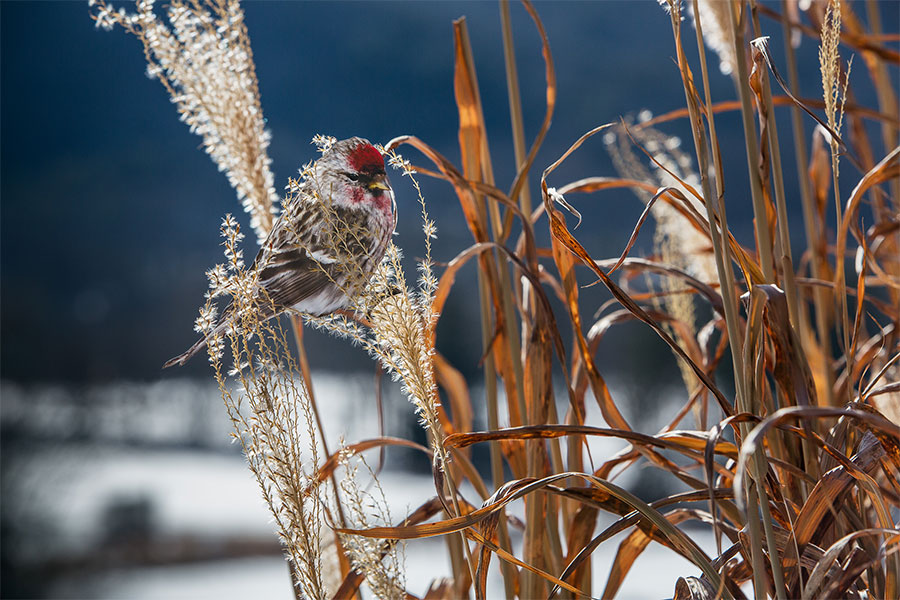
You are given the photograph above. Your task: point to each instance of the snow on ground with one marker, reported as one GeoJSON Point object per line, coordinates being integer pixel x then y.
{"type": "Point", "coordinates": [165, 444]}
{"type": "Point", "coordinates": [206, 493]}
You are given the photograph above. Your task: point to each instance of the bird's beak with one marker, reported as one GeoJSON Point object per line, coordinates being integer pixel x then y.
{"type": "Point", "coordinates": [379, 185]}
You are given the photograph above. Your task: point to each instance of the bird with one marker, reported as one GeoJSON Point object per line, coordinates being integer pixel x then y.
{"type": "Point", "coordinates": [328, 241]}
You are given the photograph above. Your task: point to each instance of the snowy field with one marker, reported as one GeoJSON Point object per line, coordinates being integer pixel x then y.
{"type": "Point", "coordinates": [159, 454]}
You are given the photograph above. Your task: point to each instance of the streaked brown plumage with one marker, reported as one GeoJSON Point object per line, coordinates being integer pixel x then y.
{"type": "Point", "coordinates": [328, 241]}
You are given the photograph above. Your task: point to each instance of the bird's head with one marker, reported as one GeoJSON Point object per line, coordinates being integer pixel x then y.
{"type": "Point", "coordinates": [352, 173]}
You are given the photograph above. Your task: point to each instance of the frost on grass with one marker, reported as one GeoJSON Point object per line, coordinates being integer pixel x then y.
{"type": "Point", "coordinates": [201, 54]}
{"type": "Point", "coordinates": [270, 410]}
{"type": "Point", "coordinates": [268, 402]}
{"type": "Point", "coordinates": [380, 561]}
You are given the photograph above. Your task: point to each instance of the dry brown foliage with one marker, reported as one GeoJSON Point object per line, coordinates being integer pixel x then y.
{"type": "Point", "coordinates": [796, 472]}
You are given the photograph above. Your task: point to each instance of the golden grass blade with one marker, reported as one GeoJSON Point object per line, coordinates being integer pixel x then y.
{"type": "Point", "coordinates": [560, 232]}
{"type": "Point", "coordinates": [860, 309]}
{"type": "Point", "coordinates": [649, 526]}
{"type": "Point", "coordinates": [763, 51]}
{"type": "Point", "coordinates": [565, 266]}
{"type": "Point", "coordinates": [820, 179]}
{"type": "Point", "coordinates": [515, 103]}
{"type": "Point", "coordinates": [637, 228]}
{"type": "Point", "coordinates": [887, 101]}
{"type": "Point", "coordinates": [550, 76]}
{"type": "Point", "coordinates": [709, 465]}
{"type": "Point", "coordinates": [887, 365]}
{"type": "Point", "coordinates": [759, 401]}
{"type": "Point", "coordinates": [454, 524]}
{"type": "Point", "coordinates": [855, 41]}
{"type": "Point", "coordinates": [633, 519]}
{"type": "Point", "coordinates": [752, 271]}
{"type": "Point", "coordinates": [769, 131]}
{"type": "Point", "coordinates": [822, 569]}
{"type": "Point", "coordinates": [819, 348]}
{"type": "Point", "coordinates": [489, 533]}
{"type": "Point", "coordinates": [331, 463]}
{"type": "Point", "coordinates": [820, 176]}
{"type": "Point", "coordinates": [489, 529]}
{"type": "Point", "coordinates": [879, 240]}
{"type": "Point", "coordinates": [643, 264]}
{"type": "Point", "coordinates": [682, 544]}
{"type": "Point", "coordinates": [884, 519]}
{"type": "Point", "coordinates": [630, 549]}
{"type": "Point", "coordinates": [477, 167]}
{"type": "Point", "coordinates": [463, 193]}
{"type": "Point", "coordinates": [886, 170]}
{"type": "Point", "coordinates": [585, 362]}
{"type": "Point", "coordinates": [503, 554]}
{"type": "Point", "coordinates": [889, 440]}
{"type": "Point", "coordinates": [578, 535]}
{"type": "Point", "coordinates": [502, 348]}
{"type": "Point", "coordinates": [825, 497]}
{"type": "Point", "coordinates": [763, 240]}
{"type": "Point", "coordinates": [658, 527]}
{"type": "Point", "coordinates": [684, 442]}
{"type": "Point", "coordinates": [449, 275]}
{"type": "Point", "coordinates": [471, 142]}
{"type": "Point", "coordinates": [887, 388]}
{"type": "Point", "coordinates": [733, 105]}
{"type": "Point", "coordinates": [791, 369]}
{"type": "Point", "coordinates": [453, 382]}
{"type": "Point", "coordinates": [876, 423]}
{"type": "Point", "coordinates": [765, 158]}
{"type": "Point", "coordinates": [694, 588]}
{"type": "Point", "coordinates": [852, 569]}
{"type": "Point", "coordinates": [440, 589]}
{"type": "Point", "coordinates": [676, 200]}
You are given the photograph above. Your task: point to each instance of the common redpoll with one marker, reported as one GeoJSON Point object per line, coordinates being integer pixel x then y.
{"type": "Point", "coordinates": [326, 244]}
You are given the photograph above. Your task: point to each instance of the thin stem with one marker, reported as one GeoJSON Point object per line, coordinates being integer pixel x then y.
{"type": "Point", "coordinates": [809, 219]}
{"type": "Point", "coordinates": [722, 250]}
{"type": "Point", "coordinates": [763, 241]}
{"type": "Point", "coordinates": [784, 235]}
{"type": "Point", "coordinates": [726, 275]}
{"type": "Point", "coordinates": [839, 268]}
{"type": "Point", "coordinates": [515, 103]}
{"type": "Point", "coordinates": [297, 326]}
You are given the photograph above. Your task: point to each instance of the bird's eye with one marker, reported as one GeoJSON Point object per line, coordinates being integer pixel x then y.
{"type": "Point", "coordinates": [352, 176]}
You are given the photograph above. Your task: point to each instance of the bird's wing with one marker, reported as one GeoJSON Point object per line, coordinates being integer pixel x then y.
{"type": "Point", "coordinates": [289, 269]}
{"type": "Point", "coordinates": [284, 235]}
{"type": "Point", "coordinates": [293, 275]}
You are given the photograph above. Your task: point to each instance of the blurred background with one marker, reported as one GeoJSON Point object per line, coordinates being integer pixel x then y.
{"type": "Point", "coordinates": [118, 478]}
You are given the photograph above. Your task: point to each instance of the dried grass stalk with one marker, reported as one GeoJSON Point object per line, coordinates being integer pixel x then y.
{"type": "Point", "coordinates": [202, 57]}
{"type": "Point", "coordinates": [805, 494]}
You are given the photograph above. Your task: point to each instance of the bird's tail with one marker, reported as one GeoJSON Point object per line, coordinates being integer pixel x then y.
{"type": "Point", "coordinates": [181, 359]}
{"type": "Point", "coordinates": [266, 313]}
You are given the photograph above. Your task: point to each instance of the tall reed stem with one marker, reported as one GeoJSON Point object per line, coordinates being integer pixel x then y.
{"type": "Point", "coordinates": [760, 221]}
{"type": "Point", "coordinates": [816, 260]}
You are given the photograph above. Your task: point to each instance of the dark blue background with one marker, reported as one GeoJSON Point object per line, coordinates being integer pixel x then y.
{"type": "Point", "coordinates": [110, 210]}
